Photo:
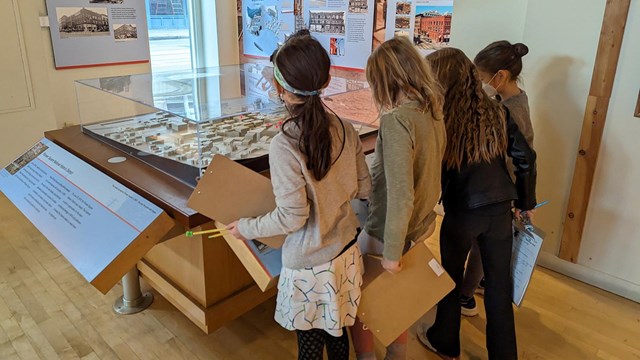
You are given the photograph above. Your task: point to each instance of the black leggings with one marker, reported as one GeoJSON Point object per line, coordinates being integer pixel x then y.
{"type": "Point", "coordinates": [311, 345]}
{"type": "Point", "coordinates": [490, 226]}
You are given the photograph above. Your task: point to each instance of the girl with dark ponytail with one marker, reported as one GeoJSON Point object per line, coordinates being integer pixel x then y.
{"type": "Point", "coordinates": [317, 167]}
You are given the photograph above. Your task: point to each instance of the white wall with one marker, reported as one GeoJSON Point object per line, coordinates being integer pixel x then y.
{"type": "Point", "coordinates": [611, 241]}
{"type": "Point", "coordinates": [475, 24]}
{"type": "Point", "coordinates": [53, 90]}
{"type": "Point", "coordinates": [562, 36]}
{"type": "Point", "coordinates": [19, 129]}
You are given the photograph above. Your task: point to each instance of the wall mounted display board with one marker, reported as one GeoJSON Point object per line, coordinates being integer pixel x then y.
{"type": "Point", "coordinates": [343, 27]}
{"type": "Point", "coordinates": [527, 243]}
{"type": "Point", "coordinates": [98, 32]}
{"type": "Point", "coordinates": [426, 22]}
{"type": "Point", "coordinates": [100, 226]}
{"type": "Point", "coordinates": [391, 303]}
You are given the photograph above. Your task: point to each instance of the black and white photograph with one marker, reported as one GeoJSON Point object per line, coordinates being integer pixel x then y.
{"type": "Point", "coordinates": [328, 22]}
{"type": "Point", "coordinates": [106, 1]}
{"type": "Point", "coordinates": [125, 32]}
{"type": "Point", "coordinates": [358, 6]}
{"type": "Point", "coordinates": [77, 22]}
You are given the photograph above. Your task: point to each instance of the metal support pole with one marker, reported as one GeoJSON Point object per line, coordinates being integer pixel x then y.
{"type": "Point", "coordinates": [132, 301]}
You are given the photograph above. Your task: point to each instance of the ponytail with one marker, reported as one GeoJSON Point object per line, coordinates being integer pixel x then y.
{"type": "Point", "coordinates": [315, 136]}
{"type": "Point", "coordinates": [301, 67]}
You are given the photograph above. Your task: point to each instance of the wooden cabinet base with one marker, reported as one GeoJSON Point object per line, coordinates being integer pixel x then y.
{"type": "Point", "coordinates": [208, 319]}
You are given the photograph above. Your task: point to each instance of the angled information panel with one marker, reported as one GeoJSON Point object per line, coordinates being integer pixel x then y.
{"type": "Point", "coordinates": [100, 226]}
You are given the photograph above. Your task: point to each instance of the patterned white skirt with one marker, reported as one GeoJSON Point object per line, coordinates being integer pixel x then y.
{"type": "Point", "coordinates": [321, 297]}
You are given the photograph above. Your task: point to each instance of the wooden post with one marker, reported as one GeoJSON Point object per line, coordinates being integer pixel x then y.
{"type": "Point", "coordinates": [604, 72]}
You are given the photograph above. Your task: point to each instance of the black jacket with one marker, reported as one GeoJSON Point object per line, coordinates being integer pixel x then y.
{"type": "Point", "coordinates": [489, 183]}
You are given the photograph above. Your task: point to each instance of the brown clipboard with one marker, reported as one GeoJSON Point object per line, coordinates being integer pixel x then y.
{"type": "Point", "coordinates": [391, 303]}
{"type": "Point", "coordinates": [229, 191]}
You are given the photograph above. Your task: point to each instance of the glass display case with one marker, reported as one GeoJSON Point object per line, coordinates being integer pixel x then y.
{"type": "Point", "coordinates": [178, 121]}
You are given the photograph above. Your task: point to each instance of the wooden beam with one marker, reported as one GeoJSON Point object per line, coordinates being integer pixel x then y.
{"type": "Point", "coordinates": [604, 72]}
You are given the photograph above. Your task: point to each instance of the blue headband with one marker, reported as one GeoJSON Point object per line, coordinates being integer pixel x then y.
{"type": "Point", "coordinates": [278, 76]}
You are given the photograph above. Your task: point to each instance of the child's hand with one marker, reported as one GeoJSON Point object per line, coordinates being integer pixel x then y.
{"type": "Point", "coordinates": [233, 230]}
{"type": "Point", "coordinates": [525, 215]}
{"type": "Point", "coordinates": [391, 266]}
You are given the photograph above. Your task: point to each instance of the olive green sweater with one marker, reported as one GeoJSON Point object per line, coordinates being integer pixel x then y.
{"type": "Point", "coordinates": [406, 177]}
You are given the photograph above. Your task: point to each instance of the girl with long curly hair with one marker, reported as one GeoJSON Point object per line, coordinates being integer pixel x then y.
{"type": "Point", "coordinates": [477, 194]}
{"type": "Point", "coordinates": [499, 66]}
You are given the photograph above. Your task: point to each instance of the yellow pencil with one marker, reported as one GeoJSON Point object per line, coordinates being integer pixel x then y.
{"type": "Point", "coordinates": [212, 231]}
{"type": "Point", "coordinates": [215, 236]}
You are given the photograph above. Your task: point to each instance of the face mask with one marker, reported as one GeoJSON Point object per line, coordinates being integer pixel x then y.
{"type": "Point", "coordinates": [490, 90]}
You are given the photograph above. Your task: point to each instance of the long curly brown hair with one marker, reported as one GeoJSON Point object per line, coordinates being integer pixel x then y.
{"type": "Point", "coordinates": [476, 125]}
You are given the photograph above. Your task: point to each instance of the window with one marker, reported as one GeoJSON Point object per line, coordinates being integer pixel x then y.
{"type": "Point", "coordinates": [169, 34]}
{"type": "Point", "coordinates": [182, 34]}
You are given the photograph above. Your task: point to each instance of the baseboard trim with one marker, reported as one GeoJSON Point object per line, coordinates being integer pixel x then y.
{"type": "Point", "coordinates": [590, 276]}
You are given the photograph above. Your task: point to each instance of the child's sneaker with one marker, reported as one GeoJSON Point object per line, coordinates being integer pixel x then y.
{"type": "Point", "coordinates": [468, 306]}
{"type": "Point", "coordinates": [480, 288]}
{"type": "Point", "coordinates": [422, 337]}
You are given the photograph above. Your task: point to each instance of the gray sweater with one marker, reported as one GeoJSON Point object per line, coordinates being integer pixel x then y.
{"type": "Point", "coordinates": [315, 215]}
{"type": "Point", "coordinates": [518, 106]}
{"type": "Point", "coordinates": [406, 177]}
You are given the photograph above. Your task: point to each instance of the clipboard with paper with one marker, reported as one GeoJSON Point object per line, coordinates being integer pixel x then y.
{"type": "Point", "coordinates": [527, 243]}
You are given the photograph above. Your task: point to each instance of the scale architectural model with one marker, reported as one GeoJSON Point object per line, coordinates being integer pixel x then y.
{"type": "Point", "coordinates": [169, 136]}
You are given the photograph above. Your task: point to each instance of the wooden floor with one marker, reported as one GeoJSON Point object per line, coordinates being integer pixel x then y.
{"type": "Point", "coordinates": [48, 311]}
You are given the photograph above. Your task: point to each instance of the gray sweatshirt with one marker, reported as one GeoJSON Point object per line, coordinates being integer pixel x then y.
{"type": "Point", "coordinates": [406, 177]}
{"type": "Point", "coordinates": [518, 106]}
{"type": "Point", "coordinates": [315, 215]}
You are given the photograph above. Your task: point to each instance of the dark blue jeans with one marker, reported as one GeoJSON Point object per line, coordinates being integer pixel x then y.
{"type": "Point", "coordinates": [490, 226]}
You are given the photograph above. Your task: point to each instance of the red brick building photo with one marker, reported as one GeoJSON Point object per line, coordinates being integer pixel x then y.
{"type": "Point", "coordinates": [436, 28]}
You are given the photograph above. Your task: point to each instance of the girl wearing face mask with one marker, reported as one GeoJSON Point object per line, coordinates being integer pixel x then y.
{"type": "Point", "coordinates": [499, 66]}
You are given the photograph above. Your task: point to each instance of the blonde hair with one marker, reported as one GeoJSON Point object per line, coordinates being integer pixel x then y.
{"type": "Point", "coordinates": [396, 73]}
{"type": "Point", "coordinates": [476, 125]}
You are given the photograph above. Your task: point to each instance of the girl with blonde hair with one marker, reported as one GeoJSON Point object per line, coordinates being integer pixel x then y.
{"type": "Point", "coordinates": [406, 168]}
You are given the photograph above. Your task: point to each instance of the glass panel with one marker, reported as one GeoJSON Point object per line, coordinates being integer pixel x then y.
{"type": "Point", "coordinates": [208, 93]}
